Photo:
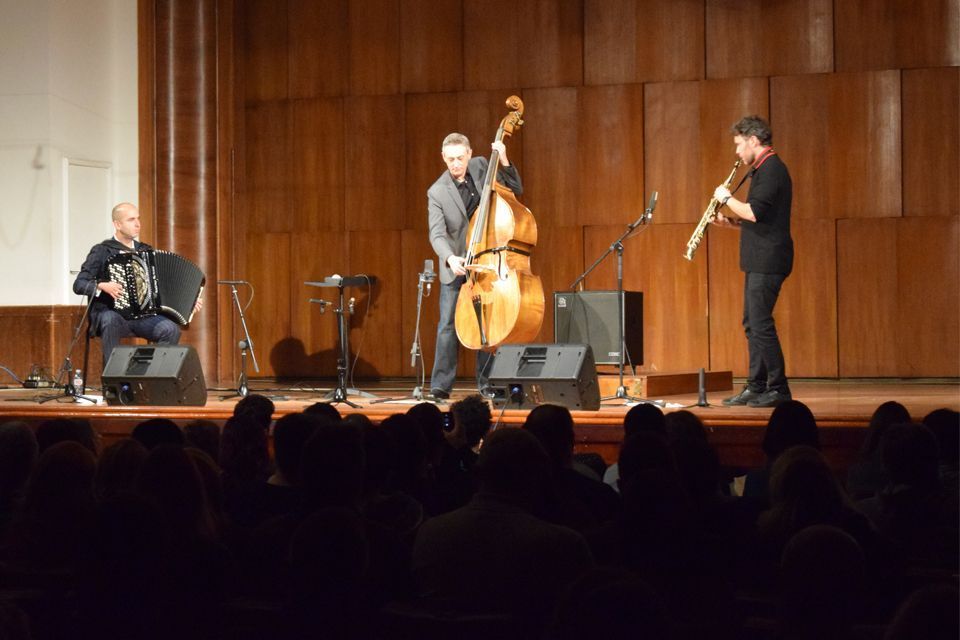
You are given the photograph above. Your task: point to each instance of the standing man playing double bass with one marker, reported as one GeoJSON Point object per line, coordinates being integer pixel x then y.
{"type": "Point", "coordinates": [766, 258]}
{"type": "Point", "coordinates": [451, 202]}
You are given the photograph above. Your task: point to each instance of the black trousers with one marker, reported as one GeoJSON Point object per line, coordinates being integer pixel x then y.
{"type": "Point", "coordinates": [767, 369]}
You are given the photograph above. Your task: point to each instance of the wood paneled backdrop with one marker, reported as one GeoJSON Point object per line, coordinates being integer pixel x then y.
{"type": "Point", "coordinates": [331, 114]}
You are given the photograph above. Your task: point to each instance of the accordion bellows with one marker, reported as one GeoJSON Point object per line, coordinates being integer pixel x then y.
{"type": "Point", "coordinates": [155, 282]}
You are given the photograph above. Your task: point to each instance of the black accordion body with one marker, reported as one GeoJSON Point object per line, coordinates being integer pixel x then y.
{"type": "Point", "coordinates": [155, 282]}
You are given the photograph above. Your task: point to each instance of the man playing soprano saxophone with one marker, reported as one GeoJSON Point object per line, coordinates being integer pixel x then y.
{"type": "Point", "coordinates": [766, 258]}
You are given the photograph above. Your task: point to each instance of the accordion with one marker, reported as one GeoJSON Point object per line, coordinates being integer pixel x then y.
{"type": "Point", "coordinates": [155, 282]}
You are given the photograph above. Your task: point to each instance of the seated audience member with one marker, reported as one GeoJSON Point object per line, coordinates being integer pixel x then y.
{"type": "Point", "coordinates": [430, 419]}
{"type": "Point", "coordinates": [411, 465]}
{"type": "Point", "coordinates": [384, 502]}
{"type": "Point", "coordinates": [324, 410]}
{"type": "Point", "coordinates": [574, 500]}
{"type": "Point", "coordinates": [821, 584]}
{"type": "Point", "coordinates": [245, 465]}
{"type": "Point", "coordinates": [866, 476]}
{"type": "Point", "coordinates": [157, 431]}
{"type": "Point", "coordinates": [642, 418]}
{"type": "Point", "coordinates": [791, 424]}
{"type": "Point", "coordinates": [203, 435]}
{"type": "Point", "coordinates": [945, 425]}
{"type": "Point", "coordinates": [914, 510]}
{"type": "Point", "coordinates": [493, 554]}
{"type": "Point", "coordinates": [471, 420]}
{"type": "Point", "coordinates": [18, 458]}
{"type": "Point", "coordinates": [282, 491]}
{"type": "Point", "coordinates": [50, 432]}
{"type": "Point", "coordinates": [931, 613]}
{"type": "Point", "coordinates": [118, 468]}
{"type": "Point", "coordinates": [259, 408]}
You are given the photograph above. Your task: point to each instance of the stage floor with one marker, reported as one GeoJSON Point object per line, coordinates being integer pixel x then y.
{"type": "Point", "coordinates": [842, 409]}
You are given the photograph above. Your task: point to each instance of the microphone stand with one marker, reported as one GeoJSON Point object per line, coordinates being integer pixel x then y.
{"type": "Point", "coordinates": [70, 391]}
{"type": "Point", "coordinates": [415, 352]}
{"type": "Point", "coordinates": [243, 389]}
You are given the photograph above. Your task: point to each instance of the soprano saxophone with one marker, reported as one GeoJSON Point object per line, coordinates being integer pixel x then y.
{"type": "Point", "coordinates": [708, 217]}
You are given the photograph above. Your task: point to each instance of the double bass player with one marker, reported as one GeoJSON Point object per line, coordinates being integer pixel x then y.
{"type": "Point", "coordinates": [451, 202]}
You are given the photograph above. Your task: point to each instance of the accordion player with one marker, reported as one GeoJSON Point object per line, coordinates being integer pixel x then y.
{"type": "Point", "coordinates": [155, 282]}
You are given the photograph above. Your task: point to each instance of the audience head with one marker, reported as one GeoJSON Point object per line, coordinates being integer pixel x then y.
{"type": "Point", "coordinates": [332, 466]}
{"type": "Point", "coordinates": [18, 457]}
{"type": "Point", "coordinates": [886, 415]}
{"type": "Point", "coordinates": [329, 554]}
{"type": "Point", "coordinates": [822, 580]}
{"type": "Point", "coordinates": [684, 425]}
{"type": "Point", "coordinates": [552, 425]}
{"type": "Point", "coordinates": [472, 418]}
{"type": "Point", "coordinates": [945, 425]}
{"type": "Point", "coordinates": [259, 408]}
{"type": "Point", "coordinates": [644, 417]}
{"type": "Point", "coordinates": [157, 431]}
{"type": "Point", "coordinates": [910, 455]}
{"type": "Point", "coordinates": [324, 410]}
{"type": "Point", "coordinates": [380, 448]}
{"type": "Point", "coordinates": [244, 455]}
{"type": "Point", "coordinates": [430, 419]}
{"type": "Point", "coordinates": [513, 466]}
{"type": "Point", "coordinates": [290, 435]}
{"type": "Point", "coordinates": [63, 481]}
{"type": "Point", "coordinates": [50, 432]}
{"type": "Point", "coordinates": [203, 435]}
{"type": "Point", "coordinates": [791, 424]}
{"type": "Point", "coordinates": [119, 467]}
{"type": "Point", "coordinates": [803, 492]}
{"type": "Point", "coordinates": [698, 466]}
{"type": "Point", "coordinates": [411, 453]}
{"type": "Point", "coordinates": [931, 612]}
{"type": "Point", "coordinates": [171, 480]}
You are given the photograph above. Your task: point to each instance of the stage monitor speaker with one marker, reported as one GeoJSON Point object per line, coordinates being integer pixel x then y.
{"type": "Point", "coordinates": [154, 375]}
{"type": "Point", "coordinates": [590, 317]}
{"type": "Point", "coordinates": [525, 375]}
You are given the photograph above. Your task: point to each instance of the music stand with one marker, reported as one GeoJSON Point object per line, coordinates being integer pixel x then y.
{"type": "Point", "coordinates": [427, 277]}
{"type": "Point", "coordinates": [617, 246]}
{"type": "Point", "coordinates": [70, 391]}
{"type": "Point", "coordinates": [341, 392]}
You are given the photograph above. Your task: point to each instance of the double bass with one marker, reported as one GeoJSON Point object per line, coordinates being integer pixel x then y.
{"type": "Point", "coordinates": [501, 301]}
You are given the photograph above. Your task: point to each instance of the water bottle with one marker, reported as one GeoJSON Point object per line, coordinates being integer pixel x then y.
{"type": "Point", "coordinates": [78, 380]}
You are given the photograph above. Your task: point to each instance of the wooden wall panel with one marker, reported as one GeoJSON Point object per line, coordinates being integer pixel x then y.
{"type": "Point", "coordinates": [311, 349]}
{"type": "Point", "coordinates": [892, 34]}
{"type": "Point", "coordinates": [643, 41]}
{"type": "Point", "coordinates": [931, 121]}
{"type": "Point", "coordinates": [764, 38]}
{"type": "Point", "coordinates": [557, 260]}
{"type": "Point", "coordinates": [266, 172]}
{"type": "Point", "coordinates": [867, 294]}
{"type": "Point", "coordinates": [610, 170]}
{"type": "Point", "coordinates": [928, 281]}
{"type": "Point", "coordinates": [415, 249]}
{"type": "Point", "coordinates": [807, 308]}
{"type": "Point", "coordinates": [674, 292]}
{"type": "Point", "coordinates": [798, 111]}
{"type": "Point", "coordinates": [728, 345]}
{"type": "Point", "coordinates": [539, 45]}
{"type": "Point", "coordinates": [374, 52]}
{"type": "Point", "coordinates": [317, 39]}
{"type": "Point", "coordinates": [863, 157]}
{"type": "Point", "coordinates": [550, 147]}
{"type": "Point", "coordinates": [671, 148]}
{"type": "Point", "coordinates": [431, 50]}
{"type": "Point", "coordinates": [264, 43]}
{"type": "Point", "coordinates": [268, 263]}
{"type": "Point", "coordinates": [375, 326]}
{"type": "Point", "coordinates": [429, 118]}
{"type": "Point", "coordinates": [374, 158]}
{"type": "Point", "coordinates": [316, 164]}
{"type": "Point", "coordinates": [722, 104]}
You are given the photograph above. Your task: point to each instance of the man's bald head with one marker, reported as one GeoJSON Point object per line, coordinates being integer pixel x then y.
{"type": "Point", "coordinates": [121, 209]}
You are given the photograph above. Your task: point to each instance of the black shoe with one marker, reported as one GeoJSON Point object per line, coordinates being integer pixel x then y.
{"type": "Point", "coordinates": [770, 398]}
{"type": "Point", "coordinates": [439, 394]}
{"type": "Point", "coordinates": [742, 398]}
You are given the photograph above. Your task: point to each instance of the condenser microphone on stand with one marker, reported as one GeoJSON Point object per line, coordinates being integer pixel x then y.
{"type": "Point", "coordinates": [648, 214]}
{"type": "Point", "coordinates": [428, 275]}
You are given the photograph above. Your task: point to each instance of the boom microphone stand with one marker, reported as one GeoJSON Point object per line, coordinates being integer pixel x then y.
{"type": "Point", "coordinates": [243, 390]}
{"type": "Point", "coordinates": [425, 278]}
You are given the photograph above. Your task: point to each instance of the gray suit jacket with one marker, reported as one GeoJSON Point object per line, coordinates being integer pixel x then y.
{"type": "Point", "coordinates": [447, 217]}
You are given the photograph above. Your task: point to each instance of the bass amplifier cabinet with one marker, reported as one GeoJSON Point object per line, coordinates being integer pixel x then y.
{"type": "Point", "coordinates": [590, 317]}
{"type": "Point", "coordinates": [154, 375]}
{"type": "Point", "coordinates": [525, 375]}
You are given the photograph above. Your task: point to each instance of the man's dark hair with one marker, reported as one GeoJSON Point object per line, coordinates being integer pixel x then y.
{"type": "Point", "coordinates": [157, 431]}
{"type": "Point", "coordinates": [644, 417]}
{"type": "Point", "coordinates": [791, 424]}
{"type": "Point", "coordinates": [754, 126]}
{"type": "Point", "coordinates": [258, 407]}
{"type": "Point", "coordinates": [552, 425]}
{"type": "Point", "coordinates": [290, 435]}
{"type": "Point", "coordinates": [324, 409]}
{"type": "Point", "coordinates": [473, 417]}
{"type": "Point", "coordinates": [56, 430]}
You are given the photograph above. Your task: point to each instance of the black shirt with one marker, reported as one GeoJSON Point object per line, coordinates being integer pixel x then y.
{"type": "Point", "coordinates": [766, 245]}
{"type": "Point", "coordinates": [469, 194]}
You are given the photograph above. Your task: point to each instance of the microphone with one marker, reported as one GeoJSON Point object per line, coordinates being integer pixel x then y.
{"type": "Point", "coordinates": [648, 214]}
{"type": "Point", "coordinates": [350, 304]}
{"type": "Point", "coordinates": [428, 275]}
{"type": "Point", "coordinates": [232, 282]}
{"type": "Point", "coordinates": [323, 304]}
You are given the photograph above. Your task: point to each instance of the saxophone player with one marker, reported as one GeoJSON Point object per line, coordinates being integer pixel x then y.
{"type": "Point", "coordinates": [766, 257]}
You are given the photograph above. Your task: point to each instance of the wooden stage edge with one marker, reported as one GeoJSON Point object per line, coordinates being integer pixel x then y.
{"type": "Point", "coordinates": [842, 409]}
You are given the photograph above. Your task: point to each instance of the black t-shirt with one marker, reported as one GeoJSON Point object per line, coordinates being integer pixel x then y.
{"type": "Point", "coordinates": [766, 245]}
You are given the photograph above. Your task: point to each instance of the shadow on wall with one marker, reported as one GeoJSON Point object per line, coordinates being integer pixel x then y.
{"type": "Point", "coordinates": [289, 359]}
